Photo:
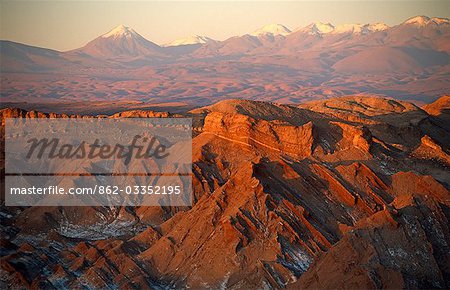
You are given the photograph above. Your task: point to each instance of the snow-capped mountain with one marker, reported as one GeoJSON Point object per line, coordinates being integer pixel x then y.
{"type": "Point", "coordinates": [121, 31]}
{"type": "Point", "coordinates": [194, 39]}
{"type": "Point", "coordinates": [410, 59]}
{"type": "Point", "coordinates": [317, 28]}
{"type": "Point", "coordinates": [374, 27]}
{"type": "Point", "coordinates": [272, 29]}
{"type": "Point", "coordinates": [123, 44]}
{"type": "Point", "coordinates": [359, 28]}
{"type": "Point", "coordinates": [120, 42]}
{"type": "Point", "coordinates": [425, 20]}
{"type": "Point", "coordinates": [320, 28]}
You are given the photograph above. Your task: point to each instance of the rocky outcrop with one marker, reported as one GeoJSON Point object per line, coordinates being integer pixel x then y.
{"type": "Point", "coordinates": [140, 114]}
{"type": "Point", "coordinates": [429, 149]}
{"type": "Point", "coordinates": [364, 107]}
{"type": "Point", "coordinates": [439, 107]}
{"type": "Point", "coordinates": [277, 136]}
{"type": "Point", "coordinates": [19, 113]}
{"type": "Point", "coordinates": [397, 248]}
{"type": "Point", "coordinates": [355, 136]}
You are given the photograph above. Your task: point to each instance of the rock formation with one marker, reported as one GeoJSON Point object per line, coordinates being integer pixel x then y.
{"type": "Point", "coordinates": [344, 193]}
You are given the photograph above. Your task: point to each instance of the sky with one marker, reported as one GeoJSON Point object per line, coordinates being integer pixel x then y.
{"type": "Point", "coordinates": [65, 25]}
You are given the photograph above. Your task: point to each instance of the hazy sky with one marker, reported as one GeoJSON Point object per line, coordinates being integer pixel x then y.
{"type": "Point", "coordinates": [65, 25]}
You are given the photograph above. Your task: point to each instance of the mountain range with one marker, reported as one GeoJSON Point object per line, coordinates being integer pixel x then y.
{"type": "Point", "coordinates": [408, 61]}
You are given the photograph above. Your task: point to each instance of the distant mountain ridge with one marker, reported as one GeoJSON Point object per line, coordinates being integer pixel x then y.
{"type": "Point", "coordinates": [123, 40]}
{"type": "Point", "coordinates": [318, 27]}
{"type": "Point", "coordinates": [410, 60]}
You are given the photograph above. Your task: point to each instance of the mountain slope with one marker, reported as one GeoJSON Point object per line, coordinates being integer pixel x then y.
{"type": "Point", "coordinates": [390, 60]}
{"type": "Point", "coordinates": [20, 57]}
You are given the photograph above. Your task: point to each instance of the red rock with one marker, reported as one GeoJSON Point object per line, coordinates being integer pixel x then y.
{"type": "Point", "coordinates": [344, 193]}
